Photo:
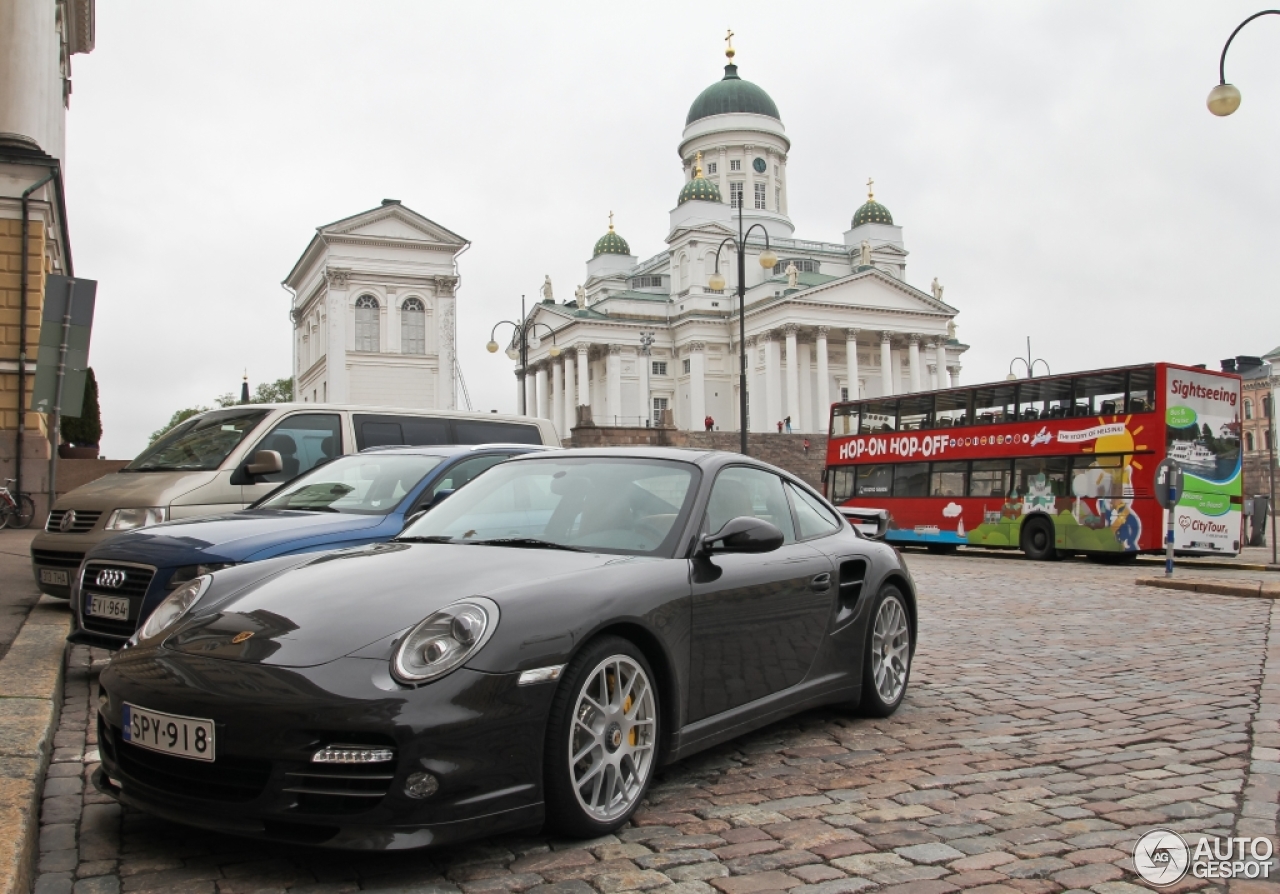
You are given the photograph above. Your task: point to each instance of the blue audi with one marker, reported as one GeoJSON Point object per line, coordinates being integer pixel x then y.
{"type": "Point", "coordinates": [350, 501]}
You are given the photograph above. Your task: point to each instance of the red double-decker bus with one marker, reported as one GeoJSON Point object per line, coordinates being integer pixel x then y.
{"type": "Point", "coordinates": [1054, 465]}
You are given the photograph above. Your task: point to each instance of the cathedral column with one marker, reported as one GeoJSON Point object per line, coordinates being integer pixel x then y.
{"type": "Point", "coordinates": [336, 374]}
{"type": "Point", "coordinates": [913, 358]}
{"type": "Point", "coordinates": [540, 386]}
{"type": "Point", "coordinates": [557, 392]}
{"type": "Point", "coordinates": [793, 375]}
{"type": "Point", "coordinates": [851, 361]}
{"type": "Point", "coordinates": [824, 383]}
{"type": "Point", "coordinates": [806, 388]}
{"type": "Point", "coordinates": [613, 383]}
{"type": "Point", "coordinates": [570, 417]}
{"type": "Point", "coordinates": [955, 376]}
{"type": "Point", "coordinates": [697, 352]}
{"type": "Point", "coordinates": [755, 388]}
{"type": "Point", "coordinates": [940, 361]}
{"type": "Point", "coordinates": [584, 382]}
{"type": "Point", "coordinates": [886, 365]}
{"type": "Point", "coordinates": [772, 381]}
{"type": "Point", "coordinates": [530, 392]}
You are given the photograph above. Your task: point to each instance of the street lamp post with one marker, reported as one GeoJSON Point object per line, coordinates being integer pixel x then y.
{"type": "Point", "coordinates": [522, 332]}
{"type": "Point", "coordinates": [1225, 98]}
{"type": "Point", "coordinates": [716, 283]}
{"type": "Point", "coordinates": [1028, 363]}
{"type": "Point", "coordinates": [646, 344]}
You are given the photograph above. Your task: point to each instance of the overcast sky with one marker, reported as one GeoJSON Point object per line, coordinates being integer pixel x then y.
{"type": "Point", "coordinates": [1053, 164]}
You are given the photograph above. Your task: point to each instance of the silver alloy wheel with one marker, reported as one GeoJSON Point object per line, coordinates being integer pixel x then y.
{"type": "Point", "coordinates": [612, 738]}
{"type": "Point", "coordinates": [890, 650]}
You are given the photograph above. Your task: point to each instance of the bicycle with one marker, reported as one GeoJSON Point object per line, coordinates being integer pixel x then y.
{"type": "Point", "coordinates": [15, 509]}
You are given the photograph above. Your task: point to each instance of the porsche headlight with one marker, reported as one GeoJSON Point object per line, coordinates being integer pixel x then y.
{"type": "Point", "coordinates": [177, 604]}
{"type": "Point", "coordinates": [190, 572]}
{"type": "Point", "coordinates": [444, 641]}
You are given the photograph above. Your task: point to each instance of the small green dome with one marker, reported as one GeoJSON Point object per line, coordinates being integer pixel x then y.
{"type": "Point", "coordinates": [701, 189]}
{"type": "Point", "coordinates": [871, 212]}
{"type": "Point", "coordinates": [729, 95]}
{"type": "Point", "coordinates": [611, 243]}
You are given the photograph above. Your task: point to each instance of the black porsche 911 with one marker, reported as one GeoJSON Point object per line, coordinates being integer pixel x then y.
{"type": "Point", "coordinates": [531, 649]}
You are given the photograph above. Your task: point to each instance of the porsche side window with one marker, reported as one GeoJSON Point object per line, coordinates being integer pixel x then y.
{"type": "Point", "coordinates": [740, 491]}
{"type": "Point", "coordinates": [812, 518]}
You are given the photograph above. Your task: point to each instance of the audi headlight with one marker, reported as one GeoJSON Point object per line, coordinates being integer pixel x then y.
{"type": "Point", "coordinates": [177, 604]}
{"type": "Point", "coordinates": [191, 572]}
{"type": "Point", "coordinates": [444, 641]}
{"type": "Point", "coordinates": [130, 519]}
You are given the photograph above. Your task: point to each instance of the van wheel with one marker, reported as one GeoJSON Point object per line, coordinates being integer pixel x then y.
{"type": "Point", "coordinates": [1037, 539]}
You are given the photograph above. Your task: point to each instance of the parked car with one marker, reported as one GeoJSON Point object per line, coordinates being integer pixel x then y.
{"type": "Point", "coordinates": [222, 461]}
{"type": "Point", "coordinates": [533, 648]}
{"type": "Point", "coordinates": [349, 501]}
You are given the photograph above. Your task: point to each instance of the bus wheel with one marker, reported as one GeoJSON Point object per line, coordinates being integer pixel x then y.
{"type": "Point", "coordinates": [942, 549]}
{"type": "Point", "coordinates": [1037, 540]}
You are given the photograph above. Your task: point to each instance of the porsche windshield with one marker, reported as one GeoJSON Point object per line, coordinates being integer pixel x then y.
{"type": "Point", "coordinates": [599, 504]}
{"type": "Point", "coordinates": [364, 484]}
{"type": "Point", "coordinates": [199, 444]}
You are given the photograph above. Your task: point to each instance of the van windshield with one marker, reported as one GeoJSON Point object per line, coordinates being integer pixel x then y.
{"type": "Point", "coordinates": [200, 444]}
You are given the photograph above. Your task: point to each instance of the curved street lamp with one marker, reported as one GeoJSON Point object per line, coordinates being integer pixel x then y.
{"type": "Point", "coordinates": [716, 283]}
{"type": "Point", "coordinates": [1225, 98]}
{"type": "Point", "coordinates": [1028, 363]}
{"type": "Point", "coordinates": [526, 334]}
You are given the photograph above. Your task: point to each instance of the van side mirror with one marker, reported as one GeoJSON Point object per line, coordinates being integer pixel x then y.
{"type": "Point", "coordinates": [743, 535]}
{"type": "Point", "coordinates": [265, 462]}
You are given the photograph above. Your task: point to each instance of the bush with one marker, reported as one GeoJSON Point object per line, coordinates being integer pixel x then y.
{"type": "Point", "coordinates": [85, 430]}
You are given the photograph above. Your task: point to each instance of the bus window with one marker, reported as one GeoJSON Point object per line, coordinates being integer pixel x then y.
{"type": "Point", "coordinates": [1101, 394]}
{"type": "Point", "coordinates": [994, 403]}
{"type": "Point", "coordinates": [951, 408]}
{"type": "Point", "coordinates": [1055, 470]}
{"type": "Point", "coordinates": [989, 478]}
{"type": "Point", "coordinates": [911, 480]}
{"type": "Point", "coordinates": [915, 413]}
{"type": "Point", "coordinates": [949, 480]}
{"type": "Point", "coordinates": [1142, 389]}
{"type": "Point", "coordinates": [875, 481]}
{"type": "Point", "coordinates": [842, 484]}
{"type": "Point", "coordinates": [1097, 476]}
{"type": "Point", "coordinates": [1043, 398]}
{"type": "Point", "coordinates": [879, 416]}
{"type": "Point", "coordinates": [844, 420]}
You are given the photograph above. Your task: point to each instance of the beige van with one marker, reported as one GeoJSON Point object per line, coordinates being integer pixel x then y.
{"type": "Point", "coordinates": [219, 462]}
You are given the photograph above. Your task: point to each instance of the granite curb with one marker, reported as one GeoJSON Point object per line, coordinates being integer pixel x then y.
{"type": "Point", "coordinates": [1154, 560]}
{"type": "Point", "coordinates": [31, 675]}
{"type": "Point", "coordinates": [1253, 589]}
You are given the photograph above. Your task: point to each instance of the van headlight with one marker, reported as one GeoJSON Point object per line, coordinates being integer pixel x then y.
{"type": "Point", "coordinates": [444, 641]}
{"type": "Point", "coordinates": [167, 613]}
{"type": "Point", "coordinates": [131, 519]}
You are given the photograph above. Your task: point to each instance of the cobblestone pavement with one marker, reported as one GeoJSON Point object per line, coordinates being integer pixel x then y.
{"type": "Point", "coordinates": [1056, 712]}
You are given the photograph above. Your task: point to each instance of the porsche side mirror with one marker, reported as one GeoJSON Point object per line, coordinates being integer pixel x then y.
{"type": "Point", "coordinates": [441, 495]}
{"type": "Point", "coordinates": [743, 535]}
{"type": "Point", "coordinates": [265, 462]}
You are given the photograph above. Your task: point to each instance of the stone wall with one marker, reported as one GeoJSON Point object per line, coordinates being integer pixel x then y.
{"type": "Point", "coordinates": [784, 451]}
{"type": "Point", "coordinates": [10, 305]}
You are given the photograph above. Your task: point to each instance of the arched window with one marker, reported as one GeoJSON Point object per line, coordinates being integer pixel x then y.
{"type": "Point", "coordinates": [1248, 441]}
{"type": "Point", "coordinates": [1248, 409]}
{"type": "Point", "coordinates": [367, 323]}
{"type": "Point", "coordinates": [1266, 407]}
{"type": "Point", "coordinates": [413, 327]}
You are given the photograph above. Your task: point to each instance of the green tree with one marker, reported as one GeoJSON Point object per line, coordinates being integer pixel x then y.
{"type": "Point", "coordinates": [278, 392]}
{"type": "Point", "coordinates": [85, 430]}
{"type": "Point", "coordinates": [180, 416]}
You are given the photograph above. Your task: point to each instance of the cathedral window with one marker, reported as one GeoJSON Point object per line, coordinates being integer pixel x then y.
{"type": "Point", "coordinates": [659, 407]}
{"type": "Point", "coordinates": [735, 164]}
{"type": "Point", "coordinates": [659, 367]}
{"type": "Point", "coordinates": [711, 167]}
{"type": "Point", "coordinates": [777, 198]}
{"type": "Point", "coordinates": [367, 323]}
{"type": "Point", "coordinates": [685, 365]}
{"type": "Point", "coordinates": [413, 327]}
{"type": "Point", "coordinates": [735, 195]}
{"type": "Point", "coordinates": [760, 187]}
{"type": "Point", "coordinates": [803, 265]}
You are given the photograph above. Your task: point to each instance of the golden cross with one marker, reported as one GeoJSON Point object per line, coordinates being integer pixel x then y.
{"type": "Point", "coordinates": [728, 39]}
{"type": "Point", "coordinates": [610, 220]}
{"type": "Point", "coordinates": [870, 183]}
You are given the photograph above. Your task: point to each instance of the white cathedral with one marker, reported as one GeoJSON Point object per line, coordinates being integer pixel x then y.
{"type": "Point", "coordinates": [826, 321]}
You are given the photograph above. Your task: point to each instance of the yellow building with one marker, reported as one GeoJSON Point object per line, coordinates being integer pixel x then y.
{"type": "Point", "coordinates": [37, 40]}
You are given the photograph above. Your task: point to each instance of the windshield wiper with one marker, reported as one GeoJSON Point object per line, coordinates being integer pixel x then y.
{"type": "Point", "coordinates": [434, 538]}
{"type": "Point", "coordinates": [532, 542]}
{"type": "Point", "coordinates": [304, 508]}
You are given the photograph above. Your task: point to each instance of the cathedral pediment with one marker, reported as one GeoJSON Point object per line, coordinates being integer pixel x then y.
{"type": "Point", "coordinates": [396, 222]}
{"type": "Point", "coordinates": [874, 288]}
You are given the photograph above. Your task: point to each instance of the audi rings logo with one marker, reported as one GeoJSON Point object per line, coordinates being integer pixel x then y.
{"type": "Point", "coordinates": [68, 519]}
{"type": "Point", "coordinates": [111, 578]}
{"type": "Point", "coordinates": [1161, 857]}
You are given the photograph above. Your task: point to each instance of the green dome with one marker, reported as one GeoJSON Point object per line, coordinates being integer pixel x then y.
{"type": "Point", "coordinates": [730, 95]}
{"type": "Point", "coordinates": [872, 212]}
{"type": "Point", "coordinates": [611, 244]}
{"type": "Point", "coordinates": [701, 189]}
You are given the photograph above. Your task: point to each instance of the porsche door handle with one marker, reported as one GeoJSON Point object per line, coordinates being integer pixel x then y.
{"type": "Point", "coordinates": [821, 583]}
